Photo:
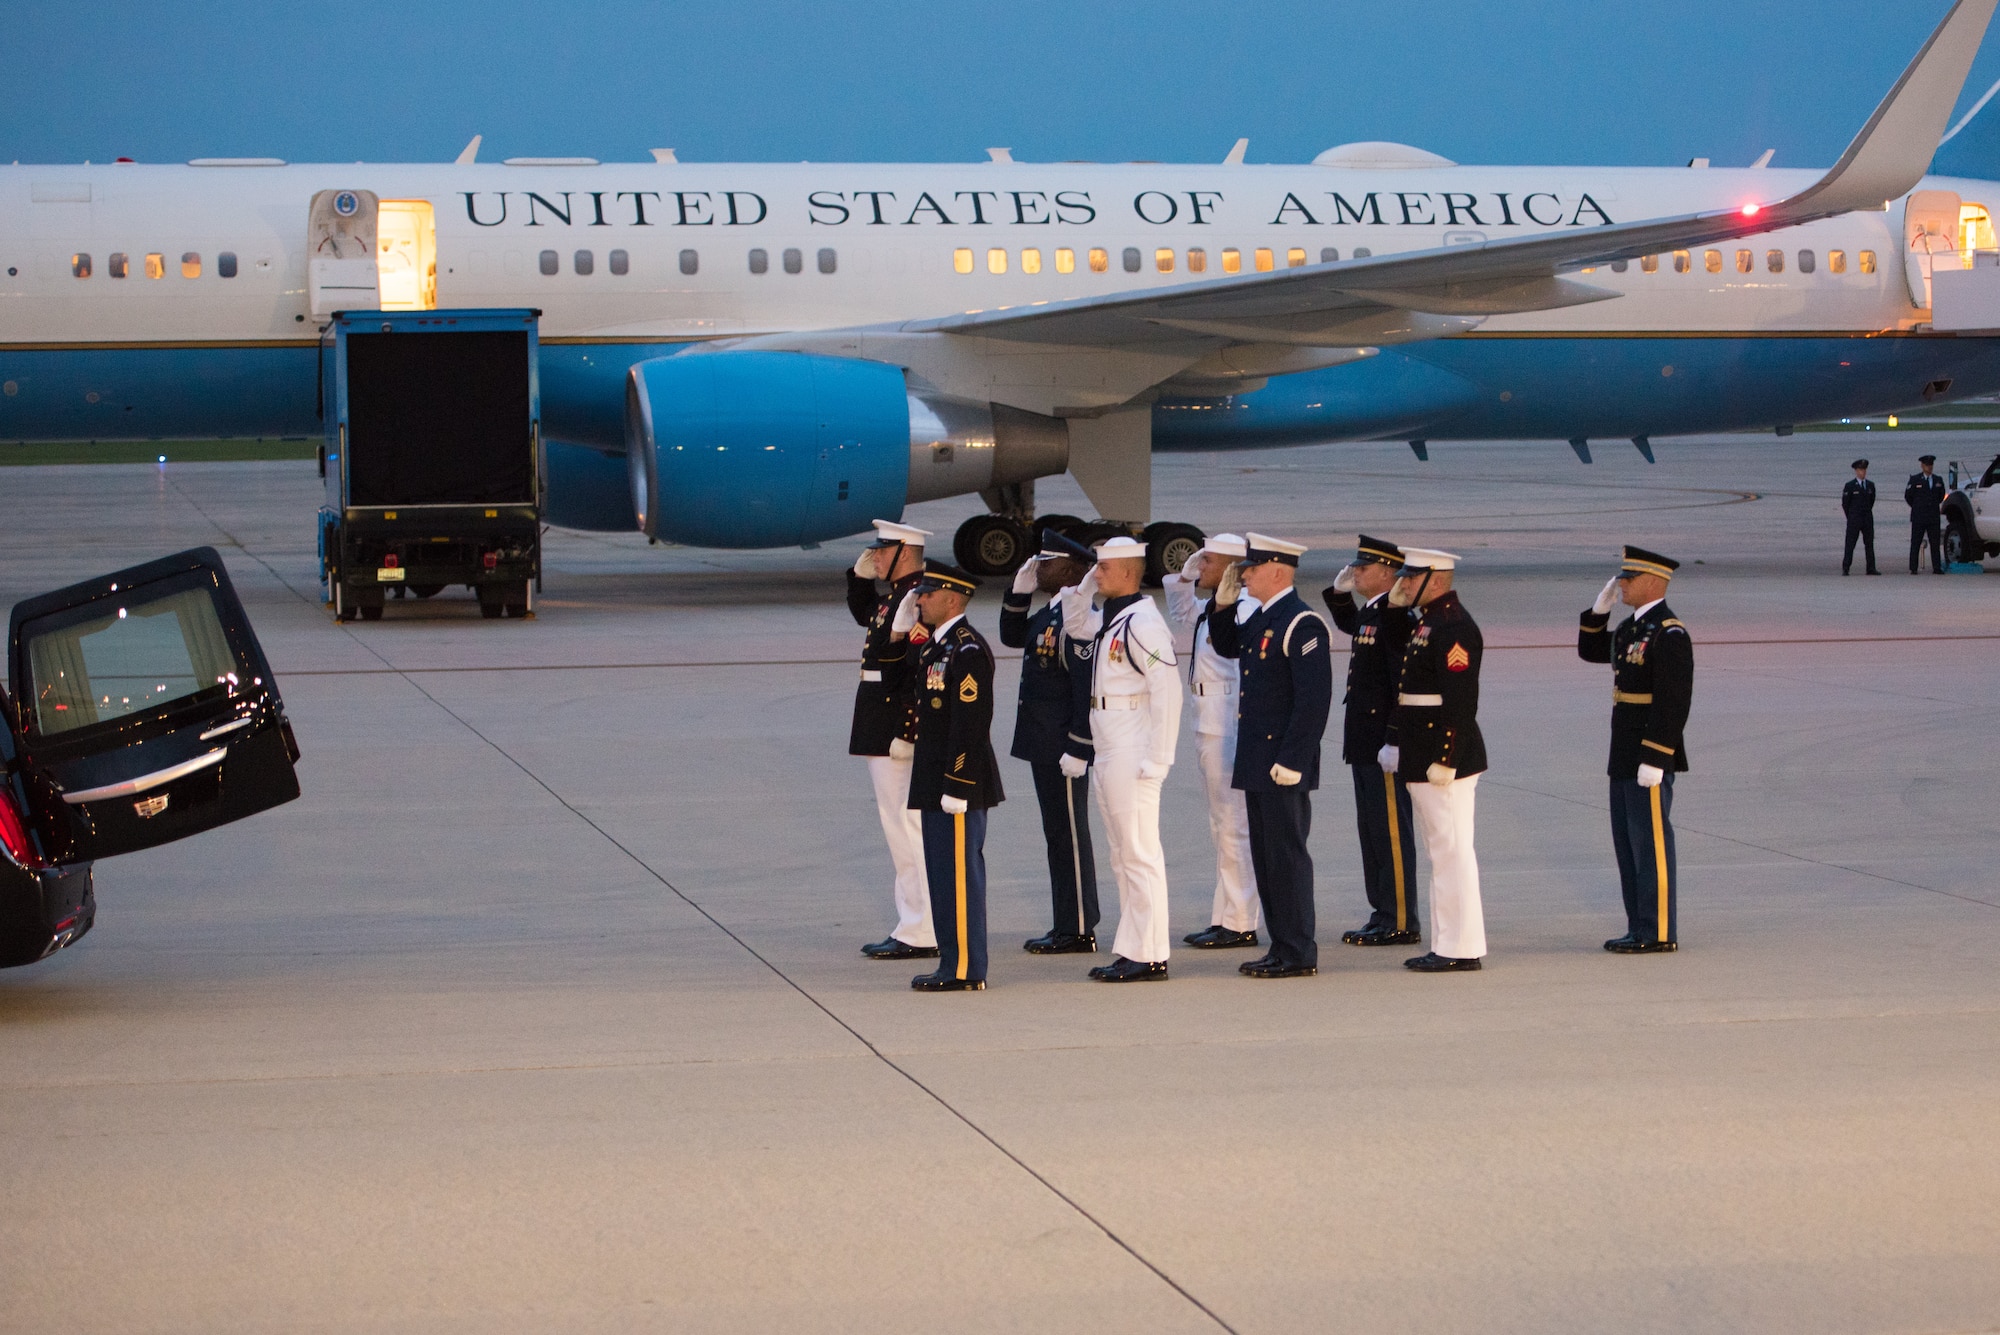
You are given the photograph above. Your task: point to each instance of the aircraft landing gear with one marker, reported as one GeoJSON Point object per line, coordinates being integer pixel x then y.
{"type": "Point", "coordinates": [993, 545]}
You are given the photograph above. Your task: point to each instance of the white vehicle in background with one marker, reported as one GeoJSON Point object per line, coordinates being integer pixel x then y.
{"type": "Point", "coordinates": [1972, 513]}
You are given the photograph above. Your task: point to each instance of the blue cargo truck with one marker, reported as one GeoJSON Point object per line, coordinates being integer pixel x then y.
{"type": "Point", "coordinates": [432, 459]}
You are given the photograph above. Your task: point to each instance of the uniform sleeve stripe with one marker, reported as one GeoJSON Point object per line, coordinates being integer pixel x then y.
{"type": "Point", "coordinates": [1657, 747]}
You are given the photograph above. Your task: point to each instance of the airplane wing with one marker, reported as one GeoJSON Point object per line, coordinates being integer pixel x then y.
{"type": "Point", "coordinates": [1330, 304]}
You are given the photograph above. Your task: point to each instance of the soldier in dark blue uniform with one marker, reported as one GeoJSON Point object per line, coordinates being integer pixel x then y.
{"type": "Point", "coordinates": [1359, 601]}
{"type": "Point", "coordinates": [1652, 683]}
{"type": "Point", "coordinates": [1857, 502]}
{"type": "Point", "coordinates": [1286, 655]}
{"type": "Point", "coordinates": [1052, 733]}
{"type": "Point", "coordinates": [1925, 496]}
{"type": "Point", "coordinates": [954, 778]}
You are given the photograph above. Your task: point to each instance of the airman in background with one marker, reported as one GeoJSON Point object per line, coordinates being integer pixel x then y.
{"type": "Point", "coordinates": [1857, 502]}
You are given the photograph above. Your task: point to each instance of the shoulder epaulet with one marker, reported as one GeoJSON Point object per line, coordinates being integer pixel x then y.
{"type": "Point", "coordinates": [1674, 623]}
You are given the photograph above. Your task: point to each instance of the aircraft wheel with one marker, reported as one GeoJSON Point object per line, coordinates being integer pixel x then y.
{"type": "Point", "coordinates": [1063, 524]}
{"type": "Point", "coordinates": [1169, 546]}
{"type": "Point", "coordinates": [992, 545]}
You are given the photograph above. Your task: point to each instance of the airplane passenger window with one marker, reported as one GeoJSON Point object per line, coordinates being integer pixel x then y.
{"type": "Point", "coordinates": [1031, 261]}
{"type": "Point", "coordinates": [1743, 261]}
{"type": "Point", "coordinates": [690, 262]}
{"type": "Point", "coordinates": [828, 261]}
{"type": "Point", "coordinates": [1618, 266]}
{"type": "Point", "coordinates": [1836, 260]}
{"type": "Point", "coordinates": [1065, 260]}
{"type": "Point", "coordinates": [1163, 260]}
{"type": "Point", "coordinates": [551, 262]}
{"type": "Point", "coordinates": [156, 265]}
{"type": "Point", "coordinates": [1649, 264]}
{"type": "Point", "coordinates": [1711, 260]}
{"type": "Point", "coordinates": [961, 260]}
{"type": "Point", "coordinates": [191, 265]}
{"type": "Point", "coordinates": [1774, 260]}
{"type": "Point", "coordinates": [1328, 255]}
{"type": "Point", "coordinates": [115, 264]}
{"type": "Point", "coordinates": [1232, 260]}
{"type": "Point", "coordinates": [1263, 258]}
{"type": "Point", "coordinates": [585, 262]}
{"type": "Point", "coordinates": [1868, 261]}
{"type": "Point", "coordinates": [225, 264]}
{"type": "Point", "coordinates": [1294, 258]}
{"type": "Point", "coordinates": [795, 261]}
{"type": "Point", "coordinates": [1682, 261]}
{"type": "Point", "coordinates": [1806, 263]}
{"type": "Point", "coordinates": [1100, 260]}
{"type": "Point", "coordinates": [996, 260]}
{"type": "Point", "coordinates": [1131, 259]}
{"type": "Point", "coordinates": [1197, 260]}
{"type": "Point", "coordinates": [621, 263]}
{"type": "Point", "coordinates": [79, 264]}
{"type": "Point", "coordinates": [1362, 252]}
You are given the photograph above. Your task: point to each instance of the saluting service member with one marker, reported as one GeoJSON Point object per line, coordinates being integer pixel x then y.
{"type": "Point", "coordinates": [1857, 502]}
{"type": "Point", "coordinates": [1925, 496]}
{"type": "Point", "coordinates": [885, 723]}
{"type": "Point", "coordinates": [1212, 689]}
{"type": "Point", "coordinates": [1652, 683]}
{"type": "Point", "coordinates": [954, 779]}
{"type": "Point", "coordinates": [1285, 654]}
{"type": "Point", "coordinates": [1052, 733]}
{"type": "Point", "coordinates": [1135, 717]}
{"type": "Point", "coordinates": [1359, 601]}
{"type": "Point", "coordinates": [1433, 742]}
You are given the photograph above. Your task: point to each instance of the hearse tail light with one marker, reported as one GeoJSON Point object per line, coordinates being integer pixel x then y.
{"type": "Point", "coordinates": [14, 833]}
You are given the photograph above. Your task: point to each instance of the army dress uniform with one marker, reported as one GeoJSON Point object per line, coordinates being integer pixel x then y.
{"type": "Point", "coordinates": [954, 759]}
{"type": "Point", "coordinates": [1382, 813]}
{"type": "Point", "coordinates": [1284, 651]}
{"type": "Point", "coordinates": [1436, 723]}
{"type": "Point", "coordinates": [1924, 493]}
{"type": "Point", "coordinates": [885, 724]}
{"type": "Point", "coordinates": [1652, 666]}
{"type": "Point", "coordinates": [1857, 502]}
{"type": "Point", "coordinates": [1214, 682]}
{"type": "Point", "coordinates": [1052, 721]}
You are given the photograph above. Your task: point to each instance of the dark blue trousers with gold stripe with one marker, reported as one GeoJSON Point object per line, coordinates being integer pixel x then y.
{"type": "Point", "coordinates": [955, 861]}
{"type": "Point", "coordinates": [1642, 831]}
{"type": "Point", "coordinates": [1388, 848]}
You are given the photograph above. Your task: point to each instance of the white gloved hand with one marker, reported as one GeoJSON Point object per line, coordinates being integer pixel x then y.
{"type": "Point", "coordinates": [864, 564]}
{"type": "Point", "coordinates": [906, 614]}
{"type": "Point", "coordinates": [1650, 776]}
{"type": "Point", "coordinates": [952, 806]}
{"type": "Point", "coordinates": [1607, 597]}
{"type": "Point", "coordinates": [1073, 767]}
{"type": "Point", "coordinates": [900, 749]}
{"type": "Point", "coordinates": [1285, 778]}
{"type": "Point", "coordinates": [1389, 757]}
{"type": "Point", "coordinates": [1027, 575]}
{"type": "Point", "coordinates": [1230, 587]}
{"type": "Point", "coordinates": [1440, 775]}
{"type": "Point", "coordinates": [1344, 581]}
{"type": "Point", "coordinates": [1153, 769]}
{"type": "Point", "coordinates": [1087, 586]}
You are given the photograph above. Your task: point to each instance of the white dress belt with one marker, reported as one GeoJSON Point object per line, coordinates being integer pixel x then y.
{"type": "Point", "coordinates": [1213, 688]}
{"type": "Point", "coordinates": [871, 674]}
{"type": "Point", "coordinates": [1114, 702]}
{"type": "Point", "coordinates": [1420, 700]}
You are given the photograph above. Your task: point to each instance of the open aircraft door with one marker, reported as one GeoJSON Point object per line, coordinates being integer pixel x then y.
{"type": "Point", "coordinates": [144, 710]}
{"type": "Point", "coordinates": [1930, 240]}
{"type": "Point", "coordinates": [341, 273]}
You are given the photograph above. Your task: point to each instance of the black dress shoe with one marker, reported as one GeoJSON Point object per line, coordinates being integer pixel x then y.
{"type": "Point", "coordinates": [1279, 969]}
{"type": "Point", "coordinates": [1436, 963]}
{"type": "Point", "coordinates": [1062, 943]}
{"type": "Point", "coordinates": [1263, 962]}
{"type": "Point", "coordinates": [1103, 969]}
{"type": "Point", "coordinates": [1131, 971]}
{"type": "Point", "coordinates": [1221, 938]}
{"type": "Point", "coordinates": [1618, 943]}
{"type": "Point", "coordinates": [1382, 936]}
{"type": "Point", "coordinates": [1627, 945]}
{"type": "Point", "coordinates": [892, 949]}
{"type": "Point", "coordinates": [944, 982]}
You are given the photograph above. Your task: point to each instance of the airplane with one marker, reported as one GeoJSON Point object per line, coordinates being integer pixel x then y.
{"type": "Point", "coordinates": [757, 355]}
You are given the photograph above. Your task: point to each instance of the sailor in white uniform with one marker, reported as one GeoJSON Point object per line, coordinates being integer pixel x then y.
{"type": "Point", "coordinates": [1135, 717]}
{"type": "Point", "coordinates": [1212, 690]}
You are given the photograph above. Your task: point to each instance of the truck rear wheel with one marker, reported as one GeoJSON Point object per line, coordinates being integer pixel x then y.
{"type": "Point", "coordinates": [1960, 545]}
{"type": "Point", "coordinates": [370, 611]}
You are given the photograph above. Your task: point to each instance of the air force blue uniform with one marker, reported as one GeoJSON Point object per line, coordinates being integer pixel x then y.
{"type": "Point", "coordinates": [1053, 720]}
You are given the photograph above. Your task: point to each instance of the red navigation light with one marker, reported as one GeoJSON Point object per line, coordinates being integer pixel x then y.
{"type": "Point", "coordinates": [1751, 210]}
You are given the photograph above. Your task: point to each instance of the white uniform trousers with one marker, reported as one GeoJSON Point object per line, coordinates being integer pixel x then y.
{"type": "Point", "coordinates": [904, 829]}
{"type": "Point", "coordinates": [1130, 807]}
{"type": "Point", "coordinates": [1229, 827]}
{"type": "Point", "coordinates": [1444, 819]}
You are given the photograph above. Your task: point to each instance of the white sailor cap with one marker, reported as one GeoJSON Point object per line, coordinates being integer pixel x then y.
{"type": "Point", "coordinates": [1261, 547]}
{"type": "Point", "coordinates": [889, 533]}
{"type": "Point", "coordinates": [1227, 544]}
{"type": "Point", "coordinates": [1428, 558]}
{"type": "Point", "coordinates": [1121, 548]}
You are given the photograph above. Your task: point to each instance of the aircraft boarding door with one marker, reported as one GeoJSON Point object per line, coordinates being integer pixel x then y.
{"type": "Point", "coordinates": [1930, 240]}
{"type": "Point", "coordinates": [146, 711]}
{"type": "Point", "coordinates": [341, 271]}
{"type": "Point", "coordinates": [406, 254]}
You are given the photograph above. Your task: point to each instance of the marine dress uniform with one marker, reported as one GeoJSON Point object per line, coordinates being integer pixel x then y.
{"type": "Point", "coordinates": [1925, 494]}
{"type": "Point", "coordinates": [1053, 721]}
{"type": "Point", "coordinates": [1285, 653]}
{"type": "Point", "coordinates": [1213, 684]}
{"type": "Point", "coordinates": [884, 731]}
{"type": "Point", "coordinates": [1382, 812]}
{"type": "Point", "coordinates": [1135, 716]}
{"type": "Point", "coordinates": [1439, 752]}
{"type": "Point", "coordinates": [1652, 684]}
{"type": "Point", "coordinates": [954, 760]}
{"type": "Point", "coordinates": [1857, 502]}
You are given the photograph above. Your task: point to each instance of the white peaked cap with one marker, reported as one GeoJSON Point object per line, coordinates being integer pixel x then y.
{"type": "Point", "coordinates": [1227, 544]}
{"type": "Point", "coordinates": [888, 530]}
{"type": "Point", "coordinates": [1428, 558]}
{"type": "Point", "coordinates": [1114, 549]}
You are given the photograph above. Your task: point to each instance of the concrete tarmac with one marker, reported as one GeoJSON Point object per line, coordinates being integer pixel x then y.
{"type": "Point", "coordinates": [542, 1009]}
